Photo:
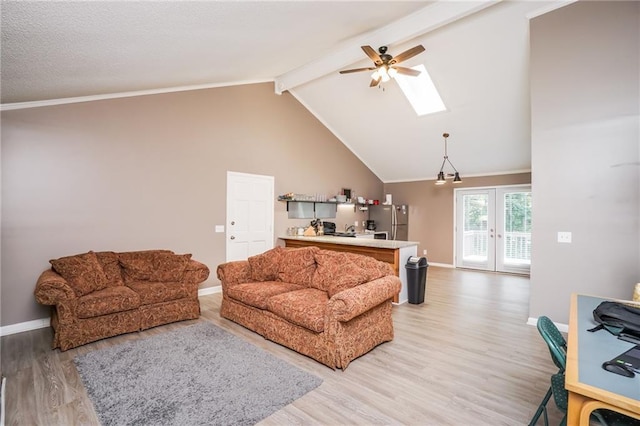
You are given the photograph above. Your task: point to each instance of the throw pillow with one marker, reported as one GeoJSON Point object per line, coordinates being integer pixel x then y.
{"type": "Point", "coordinates": [153, 265]}
{"type": "Point", "coordinates": [111, 267]}
{"type": "Point", "coordinates": [136, 265]}
{"type": "Point", "coordinates": [329, 263]}
{"type": "Point", "coordinates": [350, 275]}
{"type": "Point", "coordinates": [168, 267]}
{"type": "Point", "coordinates": [298, 265]}
{"type": "Point", "coordinates": [83, 272]}
{"type": "Point", "coordinates": [265, 266]}
{"type": "Point", "coordinates": [375, 268]}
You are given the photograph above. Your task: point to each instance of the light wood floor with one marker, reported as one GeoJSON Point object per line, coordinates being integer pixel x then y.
{"type": "Point", "coordinates": [464, 357]}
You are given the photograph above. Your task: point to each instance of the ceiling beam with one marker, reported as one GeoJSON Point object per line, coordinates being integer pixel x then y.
{"type": "Point", "coordinates": [434, 16]}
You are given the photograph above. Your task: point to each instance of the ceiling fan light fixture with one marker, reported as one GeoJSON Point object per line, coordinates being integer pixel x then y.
{"type": "Point", "coordinates": [384, 74]}
{"type": "Point", "coordinates": [441, 180]}
{"type": "Point", "coordinates": [456, 178]}
{"type": "Point", "coordinates": [384, 64]}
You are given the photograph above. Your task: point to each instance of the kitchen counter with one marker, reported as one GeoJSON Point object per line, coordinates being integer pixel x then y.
{"type": "Point", "coordinates": [396, 253]}
{"type": "Point", "coordinates": [362, 242]}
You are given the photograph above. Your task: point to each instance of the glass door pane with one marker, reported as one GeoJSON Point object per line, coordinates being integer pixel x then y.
{"type": "Point", "coordinates": [514, 235]}
{"type": "Point", "coordinates": [475, 242]}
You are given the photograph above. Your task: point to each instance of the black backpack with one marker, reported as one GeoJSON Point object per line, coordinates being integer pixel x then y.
{"type": "Point", "coordinates": [617, 318]}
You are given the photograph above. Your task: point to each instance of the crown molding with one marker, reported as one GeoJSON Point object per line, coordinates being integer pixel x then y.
{"type": "Point", "coordinates": [63, 101]}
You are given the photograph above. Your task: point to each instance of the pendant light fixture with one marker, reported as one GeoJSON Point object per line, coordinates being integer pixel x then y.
{"type": "Point", "coordinates": [441, 175]}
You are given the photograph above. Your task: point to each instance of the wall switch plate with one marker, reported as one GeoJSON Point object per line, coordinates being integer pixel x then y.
{"type": "Point", "coordinates": [219, 228]}
{"type": "Point", "coordinates": [564, 237]}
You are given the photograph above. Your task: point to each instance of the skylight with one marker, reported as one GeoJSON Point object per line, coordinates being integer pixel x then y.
{"type": "Point", "coordinates": [421, 92]}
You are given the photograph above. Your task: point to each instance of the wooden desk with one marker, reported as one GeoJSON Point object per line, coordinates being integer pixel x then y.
{"type": "Point", "coordinates": [590, 387]}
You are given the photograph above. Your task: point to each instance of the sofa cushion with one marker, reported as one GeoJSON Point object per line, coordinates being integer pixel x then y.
{"type": "Point", "coordinates": [306, 308]}
{"type": "Point", "coordinates": [298, 265]}
{"type": "Point", "coordinates": [257, 294]}
{"type": "Point", "coordinates": [265, 266]}
{"type": "Point", "coordinates": [337, 271]}
{"type": "Point", "coordinates": [153, 265]}
{"type": "Point", "coordinates": [111, 267]}
{"type": "Point", "coordinates": [107, 301]}
{"type": "Point", "coordinates": [151, 292]}
{"type": "Point", "coordinates": [82, 271]}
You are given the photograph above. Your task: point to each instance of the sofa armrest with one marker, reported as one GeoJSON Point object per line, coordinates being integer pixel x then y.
{"type": "Point", "coordinates": [236, 272]}
{"type": "Point", "coordinates": [352, 302]}
{"type": "Point", "coordinates": [195, 272]}
{"type": "Point", "coordinates": [51, 289]}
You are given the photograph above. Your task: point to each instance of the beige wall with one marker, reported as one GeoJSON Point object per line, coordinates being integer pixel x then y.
{"type": "Point", "coordinates": [150, 172]}
{"type": "Point", "coordinates": [585, 158]}
{"type": "Point", "coordinates": [431, 210]}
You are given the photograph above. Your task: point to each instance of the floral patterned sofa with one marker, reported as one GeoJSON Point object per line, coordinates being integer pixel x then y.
{"type": "Point", "coordinates": [331, 306]}
{"type": "Point", "coordinates": [102, 294]}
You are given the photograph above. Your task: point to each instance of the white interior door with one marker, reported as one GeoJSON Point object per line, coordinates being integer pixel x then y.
{"type": "Point", "coordinates": [250, 206]}
{"type": "Point", "coordinates": [493, 229]}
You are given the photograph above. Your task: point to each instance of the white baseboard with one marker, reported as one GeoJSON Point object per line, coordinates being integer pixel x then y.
{"type": "Point", "coordinates": [24, 326]}
{"type": "Point", "coordinates": [562, 327]}
{"type": "Point", "coordinates": [2, 388]}
{"type": "Point", "coordinates": [442, 265]}
{"type": "Point", "coordinates": [210, 290]}
{"type": "Point", "coordinates": [45, 322]}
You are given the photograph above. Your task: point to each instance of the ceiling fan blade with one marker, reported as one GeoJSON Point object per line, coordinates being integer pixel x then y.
{"type": "Point", "coordinates": [372, 54]}
{"type": "Point", "coordinates": [407, 71]}
{"type": "Point", "coordinates": [375, 81]}
{"type": "Point", "coordinates": [357, 70]}
{"type": "Point", "coordinates": [407, 54]}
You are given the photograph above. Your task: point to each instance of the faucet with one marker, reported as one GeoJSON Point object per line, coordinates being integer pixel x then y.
{"type": "Point", "coordinates": [349, 228]}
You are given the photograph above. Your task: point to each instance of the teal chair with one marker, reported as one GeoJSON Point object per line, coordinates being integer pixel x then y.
{"type": "Point", "coordinates": [558, 350]}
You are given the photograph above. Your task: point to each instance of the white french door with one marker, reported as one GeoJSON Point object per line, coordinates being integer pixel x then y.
{"type": "Point", "coordinates": [493, 228]}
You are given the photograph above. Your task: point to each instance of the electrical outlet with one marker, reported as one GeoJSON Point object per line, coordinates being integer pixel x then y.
{"type": "Point", "coordinates": [355, 223]}
{"type": "Point", "coordinates": [424, 252]}
{"type": "Point", "coordinates": [564, 237]}
{"type": "Point", "coordinates": [219, 228]}
{"type": "Point", "coordinates": [364, 223]}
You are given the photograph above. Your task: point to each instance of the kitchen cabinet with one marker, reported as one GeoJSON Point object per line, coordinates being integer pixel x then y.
{"type": "Point", "coordinates": [297, 210]}
{"type": "Point", "coordinates": [311, 209]}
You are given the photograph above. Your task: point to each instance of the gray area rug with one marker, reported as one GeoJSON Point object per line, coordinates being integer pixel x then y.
{"type": "Point", "coordinates": [197, 375]}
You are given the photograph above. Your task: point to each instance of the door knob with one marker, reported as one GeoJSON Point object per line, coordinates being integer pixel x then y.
{"type": "Point", "coordinates": [233, 238]}
{"type": "Point", "coordinates": [233, 222]}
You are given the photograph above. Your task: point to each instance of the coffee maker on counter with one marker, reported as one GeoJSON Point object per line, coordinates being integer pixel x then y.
{"type": "Point", "coordinates": [323, 227]}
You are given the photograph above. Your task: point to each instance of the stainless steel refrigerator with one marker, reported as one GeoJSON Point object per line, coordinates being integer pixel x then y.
{"type": "Point", "coordinates": [394, 219]}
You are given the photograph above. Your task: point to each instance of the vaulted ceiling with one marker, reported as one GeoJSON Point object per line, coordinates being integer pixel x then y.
{"type": "Point", "coordinates": [476, 54]}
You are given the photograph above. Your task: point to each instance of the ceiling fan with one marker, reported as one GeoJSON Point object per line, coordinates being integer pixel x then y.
{"type": "Point", "coordinates": [386, 65]}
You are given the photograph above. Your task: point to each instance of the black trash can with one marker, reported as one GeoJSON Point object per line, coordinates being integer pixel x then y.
{"type": "Point", "coordinates": [416, 278]}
